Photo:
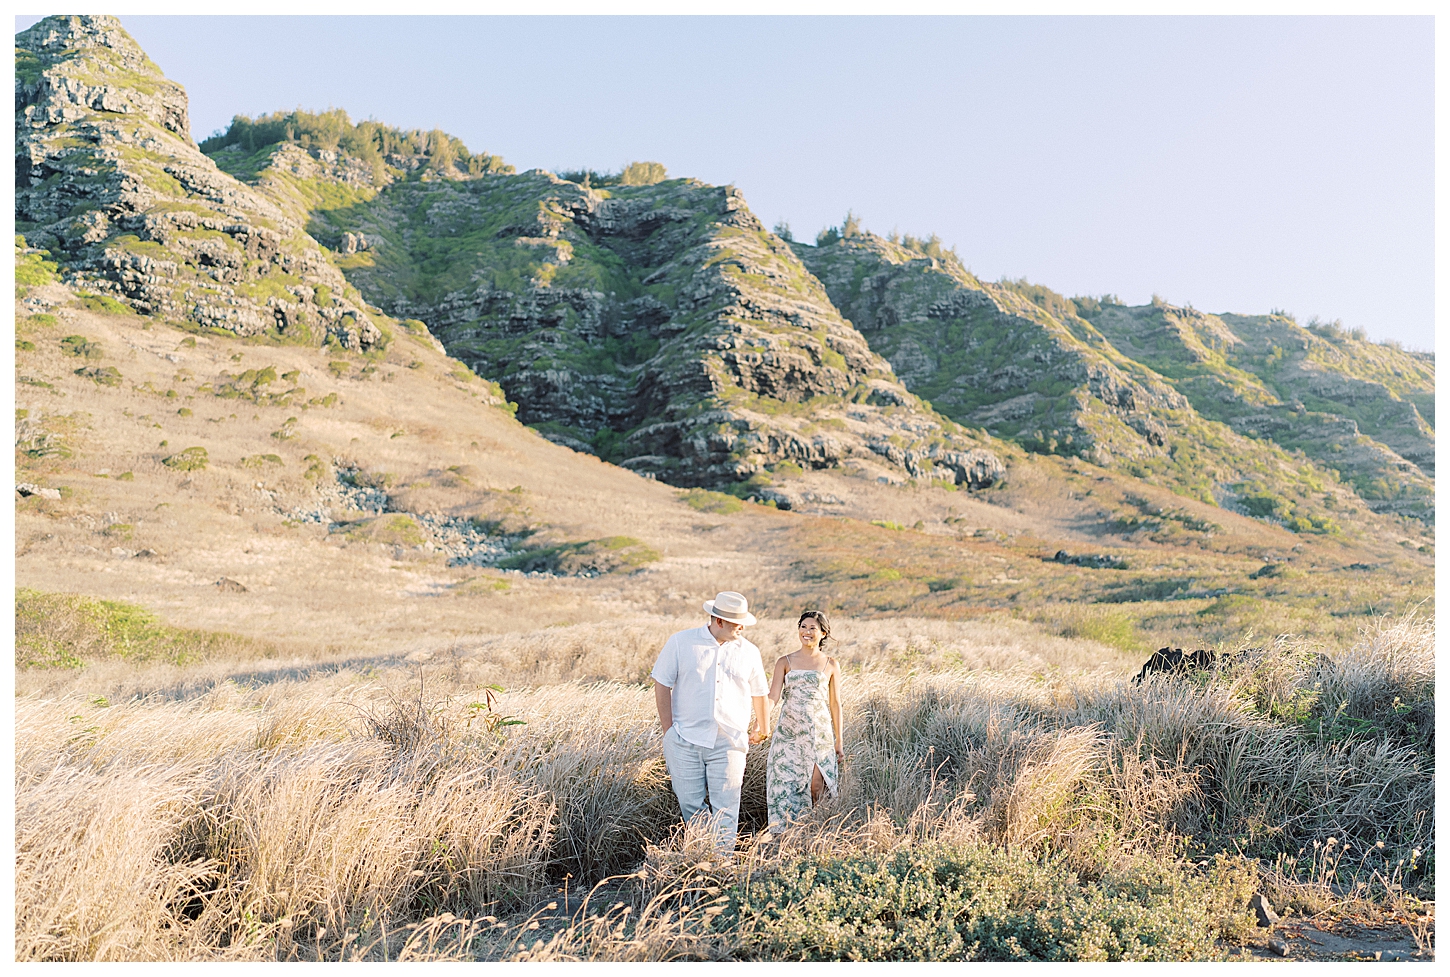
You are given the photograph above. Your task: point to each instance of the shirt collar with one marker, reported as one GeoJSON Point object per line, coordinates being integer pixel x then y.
{"type": "Point", "coordinates": [720, 644]}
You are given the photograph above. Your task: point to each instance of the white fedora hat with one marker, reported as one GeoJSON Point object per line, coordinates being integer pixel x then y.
{"type": "Point", "coordinates": [730, 606]}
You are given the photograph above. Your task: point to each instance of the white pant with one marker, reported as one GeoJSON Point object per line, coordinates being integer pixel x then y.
{"type": "Point", "coordinates": [718, 772]}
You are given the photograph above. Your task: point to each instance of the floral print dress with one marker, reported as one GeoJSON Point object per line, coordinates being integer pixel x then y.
{"type": "Point", "coordinates": [803, 739]}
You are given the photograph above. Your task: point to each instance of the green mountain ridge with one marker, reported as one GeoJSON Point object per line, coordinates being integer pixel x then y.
{"type": "Point", "coordinates": [1211, 406]}
{"type": "Point", "coordinates": [656, 322]}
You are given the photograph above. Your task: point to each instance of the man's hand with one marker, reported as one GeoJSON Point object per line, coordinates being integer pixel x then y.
{"type": "Point", "coordinates": [760, 732]}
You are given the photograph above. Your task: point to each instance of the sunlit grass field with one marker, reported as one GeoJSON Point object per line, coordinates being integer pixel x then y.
{"type": "Point", "coordinates": [1009, 794]}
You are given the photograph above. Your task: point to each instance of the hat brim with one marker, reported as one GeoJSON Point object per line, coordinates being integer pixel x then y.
{"type": "Point", "coordinates": [745, 618]}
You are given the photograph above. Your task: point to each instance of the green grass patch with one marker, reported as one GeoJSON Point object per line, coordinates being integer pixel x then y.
{"type": "Point", "coordinates": [1106, 626]}
{"type": "Point", "coordinates": [103, 303]}
{"type": "Point", "coordinates": [394, 529]}
{"type": "Point", "coordinates": [70, 630]}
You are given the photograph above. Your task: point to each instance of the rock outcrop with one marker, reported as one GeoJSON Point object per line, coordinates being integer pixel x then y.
{"type": "Point", "coordinates": [109, 181]}
{"type": "Point", "coordinates": [660, 326]}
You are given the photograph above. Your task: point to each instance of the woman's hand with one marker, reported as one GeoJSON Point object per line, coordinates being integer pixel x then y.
{"type": "Point", "coordinates": [840, 757]}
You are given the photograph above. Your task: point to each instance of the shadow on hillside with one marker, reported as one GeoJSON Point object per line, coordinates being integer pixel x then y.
{"type": "Point", "coordinates": [259, 678]}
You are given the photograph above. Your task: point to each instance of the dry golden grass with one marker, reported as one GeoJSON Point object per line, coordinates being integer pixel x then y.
{"type": "Point", "coordinates": [370, 812]}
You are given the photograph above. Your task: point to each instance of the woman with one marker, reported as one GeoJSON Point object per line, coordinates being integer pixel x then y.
{"type": "Point", "coordinates": [803, 766]}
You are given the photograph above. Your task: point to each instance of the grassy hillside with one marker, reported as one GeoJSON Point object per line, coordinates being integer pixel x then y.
{"type": "Point", "coordinates": [1167, 395]}
{"type": "Point", "coordinates": [1351, 405]}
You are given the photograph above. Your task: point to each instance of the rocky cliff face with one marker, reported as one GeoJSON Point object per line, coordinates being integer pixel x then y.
{"type": "Point", "coordinates": [659, 326]}
{"type": "Point", "coordinates": [109, 180]}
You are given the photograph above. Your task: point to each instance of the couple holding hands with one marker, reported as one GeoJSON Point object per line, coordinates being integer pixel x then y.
{"type": "Point", "coordinates": [710, 680]}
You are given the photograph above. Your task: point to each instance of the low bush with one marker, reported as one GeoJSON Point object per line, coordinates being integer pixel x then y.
{"type": "Point", "coordinates": [588, 558]}
{"type": "Point", "coordinates": [189, 460]}
{"type": "Point", "coordinates": [703, 500]}
{"type": "Point", "coordinates": [981, 902]}
{"type": "Point", "coordinates": [34, 268]}
{"type": "Point", "coordinates": [106, 376]}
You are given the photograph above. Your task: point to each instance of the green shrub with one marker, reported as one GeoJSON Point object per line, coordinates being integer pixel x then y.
{"type": "Point", "coordinates": [595, 556]}
{"type": "Point", "coordinates": [394, 529]}
{"type": "Point", "coordinates": [1264, 506]}
{"type": "Point", "coordinates": [80, 346]}
{"type": "Point", "coordinates": [189, 460]}
{"type": "Point", "coordinates": [373, 480]}
{"type": "Point", "coordinates": [103, 303]}
{"type": "Point", "coordinates": [368, 141]}
{"type": "Point", "coordinates": [703, 500]}
{"type": "Point", "coordinates": [106, 376]}
{"type": "Point", "coordinates": [34, 269]}
{"type": "Point", "coordinates": [642, 174]}
{"type": "Point", "coordinates": [981, 902]}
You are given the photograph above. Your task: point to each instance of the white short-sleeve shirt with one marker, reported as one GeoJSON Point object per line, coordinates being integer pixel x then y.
{"type": "Point", "coordinates": [711, 686]}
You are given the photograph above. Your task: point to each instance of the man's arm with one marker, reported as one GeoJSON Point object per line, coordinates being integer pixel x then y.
{"type": "Point", "coordinates": [762, 719]}
{"type": "Point", "coordinates": [664, 706]}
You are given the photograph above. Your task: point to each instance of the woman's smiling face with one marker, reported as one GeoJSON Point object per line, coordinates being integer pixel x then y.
{"type": "Point", "coordinates": [810, 632]}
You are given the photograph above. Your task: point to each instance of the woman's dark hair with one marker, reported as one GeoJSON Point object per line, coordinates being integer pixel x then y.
{"type": "Point", "coordinates": [820, 618]}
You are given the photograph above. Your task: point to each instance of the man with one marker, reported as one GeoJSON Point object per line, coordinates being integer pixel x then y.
{"type": "Point", "coordinates": [708, 681]}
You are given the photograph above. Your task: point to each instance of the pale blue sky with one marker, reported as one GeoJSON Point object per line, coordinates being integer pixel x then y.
{"type": "Point", "coordinates": [1240, 164]}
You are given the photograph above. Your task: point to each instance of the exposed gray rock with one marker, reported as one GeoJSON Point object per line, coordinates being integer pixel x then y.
{"type": "Point", "coordinates": [1263, 912]}
{"type": "Point", "coordinates": [108, 179]}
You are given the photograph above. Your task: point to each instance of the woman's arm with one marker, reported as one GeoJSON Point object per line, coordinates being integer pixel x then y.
{"type": "Point", "coordinates": [777, 680]}
{"type": "Point", "coordinates": [835, 702]}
